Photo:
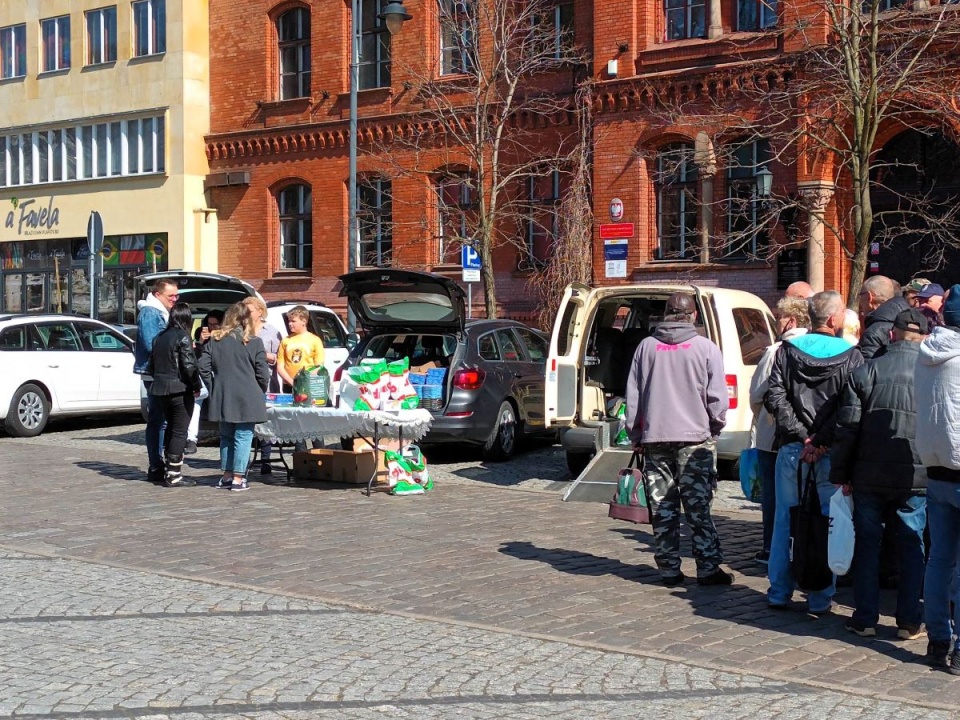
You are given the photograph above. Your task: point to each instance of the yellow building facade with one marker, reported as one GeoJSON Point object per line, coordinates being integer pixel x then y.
{"type": "Point", "coordinates": [102, 108]}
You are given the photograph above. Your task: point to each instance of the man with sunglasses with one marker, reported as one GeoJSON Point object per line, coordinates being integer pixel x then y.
{"type": "Point", "coordinates": [151, 321]}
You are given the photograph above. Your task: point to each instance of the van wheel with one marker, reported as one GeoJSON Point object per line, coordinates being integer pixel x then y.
{"type": "Point", "coordinates": [503, 439]}
{"type": "Point", "coordinates": [577, 463]}
{"type": "Point", "coordinates": [28, 413]}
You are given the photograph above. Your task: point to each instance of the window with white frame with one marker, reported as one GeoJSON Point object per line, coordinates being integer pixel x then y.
{"type": "Point", "coordinates": [149, 27]}
{"type": "Point", "coordinates": [456, 210]}
{"type": "Point", "coordinates": [756, 15]}
{"type": "Point", "coordinates": [685, 19]}
{"type": "Point", "coordinates": [293, 33]}
{"type": "Point", "coordinates": [543, 221]}
{"type": "Point", "coordinates": [55, 43]}
{"type": "Point", "coordinates": [375, 220]}
{"type": "Point", "coordinates": [457, 18]}
{"type": "Point", "coordinates": [13, 51]}
{"type": "Point", "coordinates": [677, 201]}
{"type": "Point", "coordinates": [884, 5]}
{"type": "Point", "coordinates": [745, 234]}
{"type": "Point", "coordinates": [295, 208]}
{"type": "Point", "coordinates": [557, 27]}
{"type": "Point", "coordinates": [102, 35]}
{"type": "Point", "coordinates": [374, 46]}
{"type": "Point", "coordinates": [116, 148]}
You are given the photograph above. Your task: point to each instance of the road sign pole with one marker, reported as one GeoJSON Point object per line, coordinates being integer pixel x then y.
{"type": "Point", "coordinates": [470, 301]}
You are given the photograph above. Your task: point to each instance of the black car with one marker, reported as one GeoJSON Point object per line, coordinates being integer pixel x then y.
{"type": "Point", "coordinates": [492, 394]}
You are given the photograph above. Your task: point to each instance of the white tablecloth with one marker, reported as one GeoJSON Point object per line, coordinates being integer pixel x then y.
{"type": "Point", "coordinates": [293, 424]}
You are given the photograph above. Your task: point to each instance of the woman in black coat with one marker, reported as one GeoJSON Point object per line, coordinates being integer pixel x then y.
{"type": "Point", "coordinates": [234, 366]}
{"type": "Point", "coordinates": [176, 382]}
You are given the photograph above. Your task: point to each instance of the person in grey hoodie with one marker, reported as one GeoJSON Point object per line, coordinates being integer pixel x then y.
{"type": "Point", "coordinates": [937, 392]}
{"type": "Point", "coordinates": [676, 407]}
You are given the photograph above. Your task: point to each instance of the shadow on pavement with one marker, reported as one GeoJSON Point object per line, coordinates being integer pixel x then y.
{"type": "Point", "coordinates": [743, 603]}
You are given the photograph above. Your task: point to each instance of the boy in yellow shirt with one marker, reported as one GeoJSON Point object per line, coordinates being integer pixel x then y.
{"type": "Point", "coordinates": [300, 349]}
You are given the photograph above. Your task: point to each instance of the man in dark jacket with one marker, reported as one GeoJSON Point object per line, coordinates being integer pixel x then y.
{"type": "Point", "coordinates": [805, 383]}
{"type": "Point", "coordinates": [874, 454]}
{"type": "Point", "coordinates": [676, 407]}
{"type": "Point", "coordinates": [880, 303]}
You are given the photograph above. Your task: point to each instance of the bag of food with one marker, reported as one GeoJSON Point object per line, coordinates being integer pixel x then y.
{"type": "Point", "coordinates": [398, 469]}
{"type": "Point", "coordinates": [311, 387]}
{"type": "Point", "coordinates": [358, 390]}
{"type": "Point", "coordinates": [418, 466]}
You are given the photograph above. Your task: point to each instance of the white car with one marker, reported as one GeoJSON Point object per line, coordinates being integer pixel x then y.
{"type": "Point", "coordinates": [56, 365]}
{"type": "Point", "coordinates": [324, 323]}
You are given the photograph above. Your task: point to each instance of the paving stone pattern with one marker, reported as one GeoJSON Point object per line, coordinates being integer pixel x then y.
{"type": "Point", "coordinates": [478, 599]}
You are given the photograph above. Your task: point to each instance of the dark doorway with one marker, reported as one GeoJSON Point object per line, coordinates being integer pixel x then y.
{"type": "Point", "coordinates": [912, 165]}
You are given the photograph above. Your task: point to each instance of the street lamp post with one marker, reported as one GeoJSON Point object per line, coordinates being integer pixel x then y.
{"type": "Point", "coordinates": [393, 15]}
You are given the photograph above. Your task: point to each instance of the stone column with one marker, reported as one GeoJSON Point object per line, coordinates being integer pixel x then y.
{"type": "Point", "coordinates": [715, 29]}
{"type": "Point", "coordinates": [816, 196]}
{"type": "Point", "coordinates": [706, 161]}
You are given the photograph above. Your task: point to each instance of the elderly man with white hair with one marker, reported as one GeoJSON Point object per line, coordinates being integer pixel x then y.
{"type": "Point", "coordinates": [805, 383]}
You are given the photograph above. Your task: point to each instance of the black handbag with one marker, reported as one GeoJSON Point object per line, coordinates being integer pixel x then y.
{"type": "Point", "coordinates": [809, 533]}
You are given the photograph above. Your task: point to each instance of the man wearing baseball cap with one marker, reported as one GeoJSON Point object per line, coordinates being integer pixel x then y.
{"type": "Point", "coordinates": [930, 302]}
{"type": "Point", "coordinates": [911, 289]}
{"type": "Point", "coordinates": [874, 455]}
{"type": "Point", "coordinates": [676, 407]}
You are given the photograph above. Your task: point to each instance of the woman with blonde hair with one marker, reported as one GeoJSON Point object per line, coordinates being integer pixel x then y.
{"type": "Point", "coordinates": [271, 343]}
{"type": "Point", "coordinates": [234, 367]}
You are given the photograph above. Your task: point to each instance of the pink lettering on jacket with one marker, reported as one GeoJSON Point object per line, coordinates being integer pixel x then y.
{"type": "Point", "coordinates": [661, 347]}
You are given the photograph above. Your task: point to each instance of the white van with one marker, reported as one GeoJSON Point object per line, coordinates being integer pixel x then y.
{"type": "Point", "coordinates": [595, 336]}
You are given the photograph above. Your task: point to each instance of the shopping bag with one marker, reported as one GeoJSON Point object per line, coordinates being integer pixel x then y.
{"type": "Point", "coordinates": [809, 533]}
{"type": "Point", "coordinates": [750, 481]}
{"type": "Point", "coordinates": [841, 540]}
{"type": "Point", "coordinates": [311, 387]}
{"type": "Point", "coordinates": [631, 500]}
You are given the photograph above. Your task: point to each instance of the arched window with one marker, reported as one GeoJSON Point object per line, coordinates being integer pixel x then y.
{"type": "Point", "coordinates": [294, 204]}
{"type": "Point", "coordinates": [456, 209]}
{"type": "Point", "coordinates": [293, 34]}
{"type": "Point", "coordinates": [677, 200]}
{"type": "Point", "coordinates": [745, 236]}
{"type": "Point", "coordinates": [375, 220]}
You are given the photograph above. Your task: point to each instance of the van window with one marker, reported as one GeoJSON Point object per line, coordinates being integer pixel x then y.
{"type": "Point", "coordinates": [753, 333]}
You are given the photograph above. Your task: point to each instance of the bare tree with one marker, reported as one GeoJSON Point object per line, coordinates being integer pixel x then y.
{"type": "Point", "coordinates": [862, 70]}
{"type": "Point", "coordinates": [496, 120]}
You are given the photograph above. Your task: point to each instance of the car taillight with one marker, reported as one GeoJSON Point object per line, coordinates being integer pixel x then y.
{"type": "Point", "coordinates": [468, 379]}
{"type": "Point", "coordinates": [732, 391]}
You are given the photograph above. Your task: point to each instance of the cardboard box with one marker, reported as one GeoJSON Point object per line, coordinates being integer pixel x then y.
{"type": "Point", "coordinates": [422, 369]}
{"type": "Point", "coordinates": [315, 464]}
{"type": "Point", "coordinates": [355, 467]}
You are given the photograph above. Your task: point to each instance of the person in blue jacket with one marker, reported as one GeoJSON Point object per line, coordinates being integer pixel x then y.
{"type": "Point", "coordinates": [152, 320]}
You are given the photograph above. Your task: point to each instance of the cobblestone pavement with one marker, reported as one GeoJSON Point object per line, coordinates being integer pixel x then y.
{"type": "Point", "coordinates": [473, 600]}
{"type": "Point", "coordinates": [88, 641]}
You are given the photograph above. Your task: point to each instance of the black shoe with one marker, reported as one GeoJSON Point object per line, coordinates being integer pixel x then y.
{"type": "Point", "coordinates": [190, 448]}
{"type": "Point", "coordinates": [155, 475]}
{"type": "Point", "coordinates": [266, 469]}
{"type": "Point", "coordinates": [673, 580]}
{"type": "Point", "coordinates": [938, 653]}
{"type": "Point", "coordinates": [955, 663]}
{"type": "Point", "coordinates": [717, 577]}
{"type": "Point", "coordinates": [180, 481]}
{"type": "Point", "coordinates": [762, 557]}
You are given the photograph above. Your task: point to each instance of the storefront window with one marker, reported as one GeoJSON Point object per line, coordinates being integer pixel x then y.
{"type": "Point", "coordinates": [80, 291]}
{"type": "Point", "coordinates": [13, 293]}
{"type": "Point", "coordinates": [36, 292]}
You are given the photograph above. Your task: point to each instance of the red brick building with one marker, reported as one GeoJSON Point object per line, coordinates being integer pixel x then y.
{"type": "Point", "coordinates": [278, 148]}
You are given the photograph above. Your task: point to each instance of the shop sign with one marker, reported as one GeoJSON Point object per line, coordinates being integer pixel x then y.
{"type": "Point", "coordinates": [31, 219]}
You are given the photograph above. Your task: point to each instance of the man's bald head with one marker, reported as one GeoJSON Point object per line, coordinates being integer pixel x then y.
{"type": "Point", "coordinates": [875, 291]}
{"type": "Point", "coordinates": [799, 289]}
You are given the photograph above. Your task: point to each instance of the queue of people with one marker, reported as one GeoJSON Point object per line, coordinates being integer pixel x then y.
{"type": "Point", "coordinates": [874, 416]}
{"type": "Point", "coordinates": [231, 360]}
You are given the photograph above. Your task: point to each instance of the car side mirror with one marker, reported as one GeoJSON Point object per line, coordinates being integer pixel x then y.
{"type": "Point", "coordinates": [353, 339]}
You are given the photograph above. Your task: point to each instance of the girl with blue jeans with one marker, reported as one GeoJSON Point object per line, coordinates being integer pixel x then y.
{"type": "Point", "coordinates": [234, 367]}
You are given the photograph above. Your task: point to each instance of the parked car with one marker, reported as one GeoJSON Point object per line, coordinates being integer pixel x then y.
{"type": "Point", "coordinates": [596, 334]}
{"type": "Point", "coordinates": [202, 291]}
{"type": "Point", "coordinates": [56, 365]}
{"type": "Point", "coordinates": [493, 392]}
{"type": "Point", "coordinates": [324, 323]}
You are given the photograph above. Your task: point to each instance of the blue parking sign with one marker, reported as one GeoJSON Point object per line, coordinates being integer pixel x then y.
{"type": "Point", "coordinates": [469, 258]}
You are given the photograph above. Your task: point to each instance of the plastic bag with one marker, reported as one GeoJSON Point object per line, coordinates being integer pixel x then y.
{"type": "Point", "coordinates": [311, 387]}
{"type": "Point", "coordinates": [750, 481]}
{"type": "Point", "coordinates": [841, 540]}
{"type": "Point", "coordinates": [620, 412]}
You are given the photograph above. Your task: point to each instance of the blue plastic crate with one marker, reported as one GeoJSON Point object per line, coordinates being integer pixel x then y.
{"type": "Point", "coordinates": [436, 376]}
{"type": "Point", "coordinates": [418, 379]}
{"type": "Point", "coordinates": [430, 392]}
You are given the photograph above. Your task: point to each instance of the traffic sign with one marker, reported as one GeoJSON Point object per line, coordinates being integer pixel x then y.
{"type": "Point", "coordinates": [470, 258]}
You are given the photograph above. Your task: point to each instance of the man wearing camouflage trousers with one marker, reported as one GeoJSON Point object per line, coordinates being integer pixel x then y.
{"type": "Point", "coordinates": [676, 407]}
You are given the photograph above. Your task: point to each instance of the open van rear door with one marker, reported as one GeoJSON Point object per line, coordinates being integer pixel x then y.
{"type": "Point", "coordinates": [561, 386]}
